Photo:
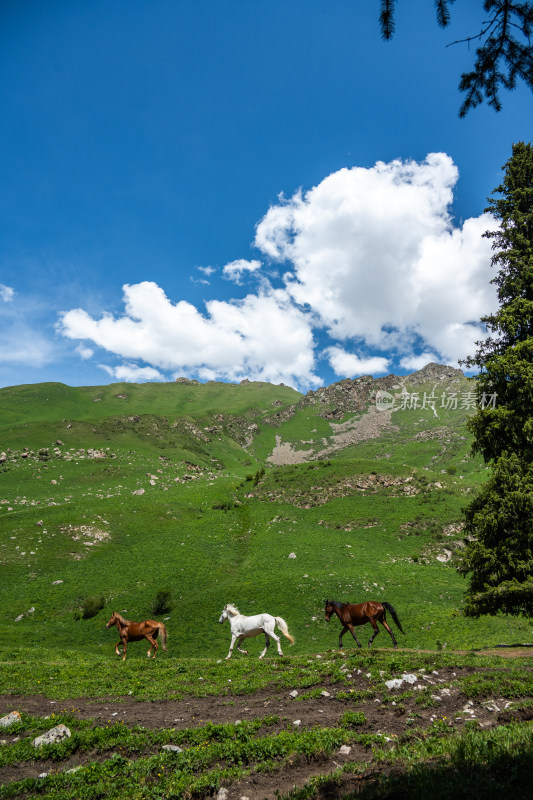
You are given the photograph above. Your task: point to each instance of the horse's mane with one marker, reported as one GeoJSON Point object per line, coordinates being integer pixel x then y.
{"type": "Point", "coordinates": [120, 618]}
{"type": "Point", "coordinates": [232, 609]}
{"type": "Point", "coordinates": [336, 603]}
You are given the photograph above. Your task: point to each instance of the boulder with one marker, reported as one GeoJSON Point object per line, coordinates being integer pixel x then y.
{"type": "Point", "coordinates": [56, 734]}
{"type": "Point", "coordinates": [10, 719]}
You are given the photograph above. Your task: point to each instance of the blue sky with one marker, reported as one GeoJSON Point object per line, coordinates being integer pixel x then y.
{"type": "Point", "coordinates": [229, 189]}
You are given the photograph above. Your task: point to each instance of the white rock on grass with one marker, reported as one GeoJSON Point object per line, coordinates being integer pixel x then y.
{"type": "Point", "coordinates": [345, 750]}
{"type": "Point", "coordinates": [395, 683]}
{"type": "Point", "coordinates": [173, 748]}
{"type": "Point", "coordinates": [10, 719]}
{"type": "Point", "coordinates": [21, 616]}
{"type": "Point", "coordinates": [222, 793]}
{"type": "Point", "coordinates": [56, 734]}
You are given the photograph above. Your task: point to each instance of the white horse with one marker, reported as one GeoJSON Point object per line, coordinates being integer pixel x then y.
{"type": "Point", "coordinates": [243, 627]}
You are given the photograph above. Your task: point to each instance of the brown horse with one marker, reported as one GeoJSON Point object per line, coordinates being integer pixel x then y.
{"type": "Point", "coordinates": [351, 615]}
{"type": "Point", "coordinates": [135, 631]}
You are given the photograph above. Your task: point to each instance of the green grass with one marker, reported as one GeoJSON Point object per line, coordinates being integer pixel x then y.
{"type": "Point", "coordinates": [67, 674]}
{"type": "Point", "coordinates": [194, 771]}
{"type": "Point", "coordinates": [439, 763]}
{"type": "Point", "coordinates": [435, 762]}
{"type": "Point", "coordinates": [204, 532]}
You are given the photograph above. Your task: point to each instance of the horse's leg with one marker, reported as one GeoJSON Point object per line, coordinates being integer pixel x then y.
{"type": "Point", "coordinates": [275, 637]}
{"type": "Point", "coordinates": [350, 628]}
{"type": "Point", "coordinates": [239, 642]}
{"type": "Point", "coordinates": [233, 640]}
{"type": "Point", "coordinates": [267, 645]}
{"type": "Point", "coordinates": [376, 631]}
{"type": "Point", "coordinates": [277, 640]}
{"type": "Point", "coordinates": [341, 634]}
{"type": "Point", "coordinates": [116, 646]}
{"type": "Point", "coordinates": [153, 644]}
{"type": "Point", "coordinates": [124, 642]}
{"type": "Point", "coordinates": [384, 623]}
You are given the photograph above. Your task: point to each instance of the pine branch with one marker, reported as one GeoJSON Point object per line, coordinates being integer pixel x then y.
{"type": "Point", "coordinates": [386, 19]}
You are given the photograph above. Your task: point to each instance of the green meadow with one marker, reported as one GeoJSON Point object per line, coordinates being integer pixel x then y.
{"type": "Point", "coordinates": [217, 522]}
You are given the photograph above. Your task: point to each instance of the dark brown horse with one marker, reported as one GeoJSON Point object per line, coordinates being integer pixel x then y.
{"type": "Point", "coordinates": [351, 615]}
{"type": "Point", "coordinates": [135, 631]}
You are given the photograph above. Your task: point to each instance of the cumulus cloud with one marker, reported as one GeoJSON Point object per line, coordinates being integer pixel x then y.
{"type": "Point", "coordinates": [133, 373]}
{"type": "Point", "coordinates": [261, 337]}
{"type": "Point", "coordinates": [375, 254]}
{"type": "Point", "coordinates": [419, 362]}
{"type": "Point", "coordinates": [370, 256]}
{"type": "Point", "coordinates": [235, 270]}
{"type": "Point", "coordinates": [6, 293]}
{"type": "Point", "coordinates": [349, 365]}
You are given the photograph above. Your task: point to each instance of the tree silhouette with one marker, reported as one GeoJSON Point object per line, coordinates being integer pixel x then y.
{"type": "Point", "coordinates": [504, 54]}
{"type": "Point", "coordinates": [498, 557]}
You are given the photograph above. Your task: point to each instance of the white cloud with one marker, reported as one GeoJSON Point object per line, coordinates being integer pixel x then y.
{"type": "Point", "coordinates": [236, 269]}
{"type": "Point", "coordinates": [419, 362]}
{"type": "Point", "coordinates": [373, 256]}
{"type": "Point", "coordinates": [261, 337]}
{"type": "Point", "coordinates": [207, 271]}
{"type": "Point", "coordinates": [132, 373]}
{"type": "Point", "coordinates": [350, 365]}
{"type": "Point", "coordinates": [6, 293]}
{"type": "Point", "coordinates": [374, 253]}
{"type": "Point", "coordinates": [84, 352]}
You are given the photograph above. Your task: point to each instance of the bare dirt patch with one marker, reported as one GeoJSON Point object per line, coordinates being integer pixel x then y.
{"type": "Point", "coordinates": [370, 426]}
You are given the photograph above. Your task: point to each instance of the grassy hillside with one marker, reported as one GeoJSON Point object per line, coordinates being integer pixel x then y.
{"type": "Point", "coordinates": [369, 505]}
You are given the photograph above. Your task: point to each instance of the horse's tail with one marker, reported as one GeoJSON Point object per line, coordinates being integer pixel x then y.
{"type": "Point", "coordinates": [394, 615]}
{"type": "Point", "coordinates": [163, 634]}
{"type": "Point", "coordinates": [282, 625]}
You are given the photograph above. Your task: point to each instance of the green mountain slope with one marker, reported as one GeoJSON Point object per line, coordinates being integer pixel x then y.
{"type": "Point", "coordinates": [251, 494]}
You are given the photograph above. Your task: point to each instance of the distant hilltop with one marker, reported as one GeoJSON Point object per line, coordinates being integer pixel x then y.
{"type": "Point", "coordinates": [431, 372]}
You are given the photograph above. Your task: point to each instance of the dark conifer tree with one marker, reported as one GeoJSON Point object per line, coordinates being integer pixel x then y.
{"type": "Point", "coordinates": [499, 521]}
{"type": "Point", "coordinates": [504, 52]}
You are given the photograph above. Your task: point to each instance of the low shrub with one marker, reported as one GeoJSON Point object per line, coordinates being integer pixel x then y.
{"type": "Point", "coordinates": [91, 606]}
{"type": "Point", "coordinates": [162, 602]}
